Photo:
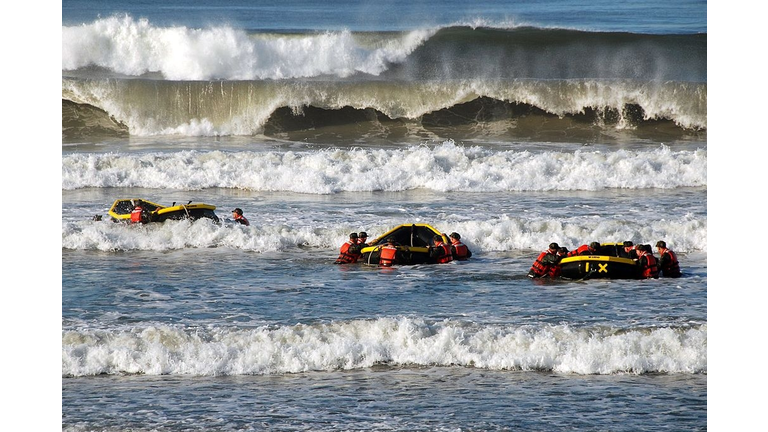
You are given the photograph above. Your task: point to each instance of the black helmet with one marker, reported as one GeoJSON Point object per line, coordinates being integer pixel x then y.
{"type": "Point", "coordinates": [353, 235]}
{"type": "Point", "coordinates": [455, 235]}
{"type": "Point", "coordinates": [238, 211]}
{"type": "Point", "coordinates": [647, 248]}
{"type": "Point", "coordinates": [437, 237]}
{"type": "Point", "coordinates": [563, 249]}
{"type": "Point", "coordinates": [628, 244]}
{"type": "Point", "coordinates": [661, 244]}
{"type": "Point", "coordinates": [363, 234]}
{"type": "Point", "coordinates": [554, 246]}
{"type": "Point", "coordinates": [594, 245]}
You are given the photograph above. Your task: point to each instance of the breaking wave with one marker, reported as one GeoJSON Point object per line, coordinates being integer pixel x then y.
{"type": "Point", "coordinates": [172, 350]}
{"type": "Point", "coordinates": [445, 167]}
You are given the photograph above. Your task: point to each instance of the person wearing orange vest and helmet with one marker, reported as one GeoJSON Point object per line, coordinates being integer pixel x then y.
{"type": "Point", "coordinates": [647, 262]}
{"type": "Point", "coordinates": [669, 266]}
{"type": "Point", "coordinates": [239, 218]}
{"type": "Point", "coordinates": [440, 253]}
{"type": "Point", "coordinates": [459, 250]}
{"type": "Point", "coordinates": [546, 264]}
{"type": "Point", "coordinates": [350, 251]}
{"type": "Point", "coordinates": [389, 253]}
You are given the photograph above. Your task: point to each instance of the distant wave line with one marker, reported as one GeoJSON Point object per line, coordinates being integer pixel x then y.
{"type": "Point", "coordinates": [136, 47]}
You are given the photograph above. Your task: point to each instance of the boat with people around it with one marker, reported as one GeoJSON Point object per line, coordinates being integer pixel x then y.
{"type": "Point", "coordinates": [135, 210]}
{"type": "Point", "coordinates": [412, 242]}
{"type": "Point", "coordinates": [606, 263]}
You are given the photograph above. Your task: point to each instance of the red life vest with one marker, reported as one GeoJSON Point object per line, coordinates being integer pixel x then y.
{"type": "Point", "coordinates": [671, 266]}
{"type": "Point", "coordinates": [541, 268]}
{"type": "Point", "coordinates": [582, 250]}
{"type": "Point", "coordinates": [459, 250]}
{"type": "Point", "coordinates": [136, 215]}
{"type": "Point", "coordinates": [346, 257]}
{"type": "Point", "coordinates": [649, 267]}
{"type": "Point", "coordinates": [242, 219]}
{"type": "Point", "coordinates": [387, 257]}
{"type": "Point", "coordinates": [447, 256]}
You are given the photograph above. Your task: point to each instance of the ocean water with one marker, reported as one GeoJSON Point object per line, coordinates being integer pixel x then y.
{"type": "Point", "coordinates": [514, 124]}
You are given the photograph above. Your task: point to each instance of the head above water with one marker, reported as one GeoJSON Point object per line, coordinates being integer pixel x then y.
{"type": "Point", "coordinates": [437, 238]}
{"type": "Point", "coordinates": [363, 235]}
{"type": "Point", "coordinates": [661, 244]}
{"type": "Point", "coordinates": [238, 211]}
{"type": "Point", "coordinates": [353, 235]}
{"type": "Point", "coordinates": [554, 246]}
{"type": "Point", "coordinates": [455, 235]}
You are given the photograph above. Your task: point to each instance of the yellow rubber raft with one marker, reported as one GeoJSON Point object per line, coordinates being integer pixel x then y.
{"type": "Point", "coordinates": [412, 242]}
{"type": "Point", "coordinates": [607, 265]}
{"type": "Point", "coordinates": [121, 211]}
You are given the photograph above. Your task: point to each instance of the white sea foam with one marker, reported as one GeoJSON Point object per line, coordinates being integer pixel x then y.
{"type": "Point", "coordinates": [481, 232]}
{"type": "Point", "coordinates": [162, 349]}
{"type": "Point", "coordinates": [135, 47]}
{"type": "Point", "coordinates": [446, 167]}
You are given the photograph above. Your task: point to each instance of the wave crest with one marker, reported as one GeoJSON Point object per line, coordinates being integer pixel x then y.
{"type": "Point", "coordinates": [161, 350]}
{"type": "Point", "coordinates": [135, 47]}
{"type": "Point", "coordinates": [447, 167]}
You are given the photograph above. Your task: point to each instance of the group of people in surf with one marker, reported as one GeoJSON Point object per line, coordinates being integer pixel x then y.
{"type": "Point", "coordinates": [547, 264]}
{"type": "Point", "coordinates": [391, 253]}
{"type": "Point", "coordinates": [141, 215]}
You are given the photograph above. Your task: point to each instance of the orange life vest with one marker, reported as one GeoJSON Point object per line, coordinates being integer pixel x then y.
{"type": "Point", "coordinates": [447, 256]}
{"type": "Point", "coordinates": [387, 257]}
{"type": "Point", "coordinates": [136, 215]}
{"type": "Point", "coordinates": [649, 267]}
{"type": "Point", "coordinates": [345, 256]}
{"type": "Point", "coordinates": [582, 250]}
{"type": "Point", "coordinates": [671, 266]}
{"type": "Point", "coordinates": [460, 251]}
{"type": "Point", "coordinates": [540, 268]}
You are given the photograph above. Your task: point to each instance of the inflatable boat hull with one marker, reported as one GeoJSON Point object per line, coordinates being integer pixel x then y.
{"type": "Point", "coordinates": [122, 208]}
{"type": "Point", "coordinates": [598, 267]}
{"type": "Point", "coordinates": [412, 242]}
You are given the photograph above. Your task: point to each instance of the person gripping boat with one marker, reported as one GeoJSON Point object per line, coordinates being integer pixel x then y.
{"type": "Point", "coordinates": [546, 264]}
{"type": "Point", "coordinates": [349, 252]}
